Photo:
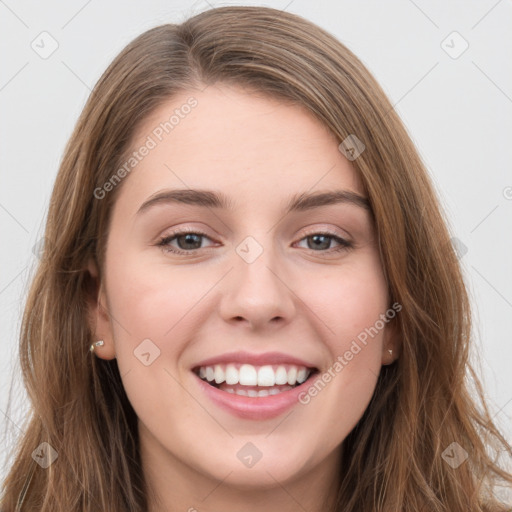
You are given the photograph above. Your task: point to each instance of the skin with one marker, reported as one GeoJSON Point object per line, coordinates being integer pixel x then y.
{"type": "Point", "coordinates": [307, 302]}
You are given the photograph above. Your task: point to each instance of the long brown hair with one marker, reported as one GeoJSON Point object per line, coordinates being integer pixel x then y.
{"type": "Point", "coordinates": [394, 459]}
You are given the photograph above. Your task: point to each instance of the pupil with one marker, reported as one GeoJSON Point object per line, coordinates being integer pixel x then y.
{"type": "Point", "coordinates": [316, 238]}
{"type": "Point", "coordinates": [190, 238]}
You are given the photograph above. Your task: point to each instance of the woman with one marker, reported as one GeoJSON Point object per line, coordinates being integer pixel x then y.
{"type": "Point", "coordinates": [248, 298]}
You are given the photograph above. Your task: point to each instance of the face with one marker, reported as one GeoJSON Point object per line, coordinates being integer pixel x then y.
{"type": "Point", "coordinates": [249, 323]}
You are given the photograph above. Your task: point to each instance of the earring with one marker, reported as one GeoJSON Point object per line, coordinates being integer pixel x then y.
{"type": "Point", "coordinates": [390, 350]}
{"type": "Point", "coordinates": [99, 343]}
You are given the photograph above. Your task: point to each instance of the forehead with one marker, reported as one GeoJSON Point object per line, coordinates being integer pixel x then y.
{"type": "Point", "coordinates": [253, 147]}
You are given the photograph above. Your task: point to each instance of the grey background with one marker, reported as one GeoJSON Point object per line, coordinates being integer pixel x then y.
{"type": "Point", "coordinates": [457, 110]}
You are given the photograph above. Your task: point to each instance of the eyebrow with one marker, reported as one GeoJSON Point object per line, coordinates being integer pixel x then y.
{"type": "Point", "coordinates": [211, 199]}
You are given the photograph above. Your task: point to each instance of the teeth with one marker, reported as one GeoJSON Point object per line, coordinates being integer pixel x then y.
{"type": "Point", "coordinates": [252, 393]}
{"type": "Point", "coordinates": [249, 375]}
{"type": "Point", "coordinates": [302, 375]}
{"type": "Point", "coordinates": [281, 376]}
{"type": "Point", "coordinates": [231, 374]}
{"type": "Point", "coordinates": [219, 374]}
{"type": "Point", "coordinates": [292, 375]}
{"type": "Point", "coordinates": [210, 374]}
{"type": "Point", "coordinates": [266, 376]}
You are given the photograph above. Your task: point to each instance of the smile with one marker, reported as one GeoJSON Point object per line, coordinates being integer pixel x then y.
{"type": "Point", "coordinates": [254, 386]}
{"type": "Point", "coordinates": [254, 381]}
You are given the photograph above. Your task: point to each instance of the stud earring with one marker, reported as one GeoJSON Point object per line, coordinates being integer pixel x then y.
{"type": "Point", "coordinates": [99, 343]}
{"type": "Point", "coordinates": [390, 350]}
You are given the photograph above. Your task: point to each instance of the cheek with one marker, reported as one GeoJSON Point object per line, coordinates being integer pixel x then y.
{"type": "Point", "coordinates": [153, 320]}
{"type": "Point", "coordinates": [153, 302]}
{"type": "Point", "coordinates": [351, 304]}
{"type": "Point", "coordinates": [348, 299]}
{"type": "Point", "coordinates": [154, 315]}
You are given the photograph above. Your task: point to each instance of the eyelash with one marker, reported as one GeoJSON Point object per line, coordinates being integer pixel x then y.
{"type": "Point", "coordinates": [164, 241]}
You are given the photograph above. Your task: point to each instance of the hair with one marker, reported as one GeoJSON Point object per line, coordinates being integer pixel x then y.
{"type": "Point", "coordinates": [428, 399]}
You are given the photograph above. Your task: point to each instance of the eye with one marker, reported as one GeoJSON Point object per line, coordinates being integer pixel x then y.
{"type": "Point", "coordinates": [188, 241]}
{"type": "Point", "coordinates": [319, 242]}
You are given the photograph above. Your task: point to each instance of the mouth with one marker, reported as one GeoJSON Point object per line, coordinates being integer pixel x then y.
{"type": "Point", "coordinates": [253, 381]}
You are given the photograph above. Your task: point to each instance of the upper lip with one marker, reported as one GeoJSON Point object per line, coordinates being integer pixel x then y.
{"type": "Point", "coordinates": [265, 358]}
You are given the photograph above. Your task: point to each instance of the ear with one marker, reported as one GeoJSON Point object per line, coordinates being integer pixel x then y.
{"type": "Point", "coordinates": [392, 341]}
{"type": "Point", "coordinates": [98, 316]}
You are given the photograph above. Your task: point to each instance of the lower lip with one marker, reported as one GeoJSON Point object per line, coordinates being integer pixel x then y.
{"type": "Point", "coordinates": [254, 408]}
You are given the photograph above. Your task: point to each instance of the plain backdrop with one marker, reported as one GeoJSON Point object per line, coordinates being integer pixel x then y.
{"type": "Point", "coordinates": [445, 66]}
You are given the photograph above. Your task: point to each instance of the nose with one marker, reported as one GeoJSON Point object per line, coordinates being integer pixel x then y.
{"type": "Point", "coordinates": [258, 294]}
